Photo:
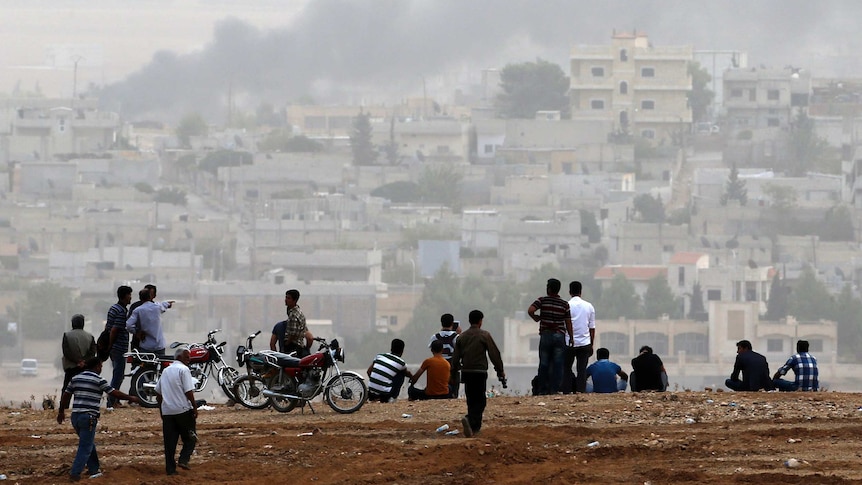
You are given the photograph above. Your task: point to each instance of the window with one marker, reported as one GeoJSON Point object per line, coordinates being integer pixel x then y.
{"type": "Point", "coordinates": [648, 134]}
{"type": "Point", "coordinates": [616, 342]}
{"type": "Point", "coordinates": [624, 55]}
{"type": "Point", "coordinates": [638, 248]}
{"type": "Point", "coordinates": [442, 148]}
{"type": "Point", "coordinates": [815, 345]}
{"type": "Point", "coordinates": [598, 71]}
{"type": "Point", "coordinates": [752, 94]}
{"type": "Point", "coordinates": [691, 343]}
{"type": "Point", "coordinates": [713, 295]}
{"type": "Point", "coordinates": [597, 104]}
{"type": "Point", "coordinates": [736, 93]}
{"type": "Point", "coordinates": [624, 118]}
{"type": "Point", "coordinates": [624, 87]}
{"type": "Point", "coordinates": [489, 148]}
{"type": "Point", "coordinates": [680, 276]}
{"type": "Point", "coordinates": [658, 342]}
{"type": "Point", "coordinates": [393, 320]}
{"type": "Point", "coordinates": [668, 248]}
{"type": "Point", "coordinates": [774, 345]}
{"type": "Point", "coordinates": [647, 72]}
{"type": "Point", "coordinates": [647, 104]}
{"type": "Point", "coordinates": [61, 125]}
{"type": "Point", "coordinates": [772, 122]}
{"type": "Point", "coordinates": [772, 95]}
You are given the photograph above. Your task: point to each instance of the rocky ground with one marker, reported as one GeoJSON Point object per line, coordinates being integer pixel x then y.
{"type": "Point", "coordinates": [679, 437]}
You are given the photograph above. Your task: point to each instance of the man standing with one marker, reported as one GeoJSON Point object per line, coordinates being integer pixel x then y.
{"type": "Point", "coordinates": [555, 323]}
{"type": "Point", "coordinates": [580, 347]}
{"type": "Point", "coordinates": [78, 346]}
{"type": "Point", "coordinates": [135, 340]}
{"type": "Point", "coordinates": [754, 368]}
{"type": "Point", "coordinates": [449, 331]}
{"type": "Point", "coordinates": [804, 366]}
{"type": "Point", "coordinates": [292, 335]}
{"type": "Point", "coordinates": [146, 320]}
{"type": "Point", "coordinates": [176, 396]}
{"type": "Point", "coordinates": [472, 350]}
{"type": "Point", "coordinates": [87, 388]}
{"type": "Point", "coordinates": [648, 373]}
{"type": "Point", "coordinates": [119, 340]}
{"type": "Point", "coordinates": [386, 374]}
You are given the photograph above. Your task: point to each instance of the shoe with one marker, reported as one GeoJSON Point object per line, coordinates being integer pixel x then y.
{"type": "Point", "coordinates": [173, 473]}
{"type": "Point", "coordinates": [184, 465]}
{"type": "Point", "coordinates": [74, 478]}
{"type": "Point", "coordinates": [96, 475]}
{"type": "Point", "coordinates": [465, 423]}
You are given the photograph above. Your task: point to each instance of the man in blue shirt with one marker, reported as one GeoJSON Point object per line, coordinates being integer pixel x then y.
{"type": "Point", "coordinates": [604, 374]}
{"type": "Point", "coordinates": [804, 366]}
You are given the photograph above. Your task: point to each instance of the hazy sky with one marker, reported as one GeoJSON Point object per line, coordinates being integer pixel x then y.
{"type": "Point", "coordinates": [345, 50]}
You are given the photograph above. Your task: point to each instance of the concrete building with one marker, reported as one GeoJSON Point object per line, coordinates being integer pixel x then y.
{"type": "Point", "coordinates": [757, 98]}
{"type": "Point", "coordinates": [639, 88]}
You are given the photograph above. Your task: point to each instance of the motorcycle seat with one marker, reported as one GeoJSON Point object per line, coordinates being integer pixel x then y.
{"type": "Point", "coordinates": [282, 359]}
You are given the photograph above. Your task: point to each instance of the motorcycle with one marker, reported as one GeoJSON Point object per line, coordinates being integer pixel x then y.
{"type": "Point", "coordinates": [205, 360]}
{"type": "Point", "coordinates": [246, 389]}
{"type": "Point", "coordinates": [287, 381]}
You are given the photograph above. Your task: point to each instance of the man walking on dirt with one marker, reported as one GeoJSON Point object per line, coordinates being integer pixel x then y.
{"type": "Point", "coordinates": [175, 392]}
{"type": "Point", "coordinates": [119, 340]}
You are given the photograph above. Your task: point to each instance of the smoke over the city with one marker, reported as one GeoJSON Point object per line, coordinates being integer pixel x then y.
{"type": "Point", "coordinates": [349, 50]}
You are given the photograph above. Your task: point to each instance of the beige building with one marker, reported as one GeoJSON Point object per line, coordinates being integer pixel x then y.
{"type": "Point", "coordinates": [640, 88]}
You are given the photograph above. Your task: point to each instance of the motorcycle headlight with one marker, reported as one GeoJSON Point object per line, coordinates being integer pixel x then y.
{"type": "Point", "coordinates": [240, 354]}
{"type": "Point", "coordinates": [339, 354]}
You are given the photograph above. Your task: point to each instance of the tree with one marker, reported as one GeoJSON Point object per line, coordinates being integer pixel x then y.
{"type": "Point", "coordinates": [848, 310]}
{"type": "Point", "coordinates": [619, 299]}
{"type": "Point", "coordinates": [697, 311]}
{"type": "Point", "coordinates": [811, 300]}
{"type": "Point", "coordinates": [659, 299]}
{"type": "Point", "coordinates": [649, 208]}
{"type": "Point", "coordinates": [392, 146]}
{"type": "Point", "coordinates": [191, 125]}
{"type": "Point", "coordinates": [46, 310]}
{"type": "Point", "coordinates": [441, 184]}
{"type": "Point", "coordinates": [700, 97]}
{"type": "Point", "coordinates": [776, 306]}
{"type": "Point", "coordinates": [399, 192]}
{"type": "Point", "coordinates": [734, 189]}
{"type": "Point", "coordinates": [589, 226]}
{"type": "Point", "coordinates": [806, 148]}
{"type": "Point", "coordinates": [224, 158]}
{"type": "Point", "coordinates": [171, 195]}
{"type": "Point", "coordinates": [837, 225]}
{"type": "Point", "coordinates": [529, 87]}
{"type": "Point", "coordinates": [361, 144]}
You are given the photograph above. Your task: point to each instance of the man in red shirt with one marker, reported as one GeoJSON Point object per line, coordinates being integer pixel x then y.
{"type": "Point", "coordinates": [555, 321]}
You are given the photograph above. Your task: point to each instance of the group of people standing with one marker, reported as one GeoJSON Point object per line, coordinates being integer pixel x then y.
{"type": "Point", "coordinates": [140, 325]}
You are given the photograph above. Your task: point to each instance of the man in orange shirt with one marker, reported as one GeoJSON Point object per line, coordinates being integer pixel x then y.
{"type": "Point", "coordinates": [437, 383]}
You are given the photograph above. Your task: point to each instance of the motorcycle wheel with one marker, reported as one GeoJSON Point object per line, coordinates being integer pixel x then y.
{"type": "Point", "coordinates": [248, 390]}
{"type": "Point", "coordinates": [287, 385]}
{"type": "Point", "coordinates": [226, 378]}
{"type": "Point", "coordinates": [346, 393]}
{"type": "Point", "coordinates": [143, 386]}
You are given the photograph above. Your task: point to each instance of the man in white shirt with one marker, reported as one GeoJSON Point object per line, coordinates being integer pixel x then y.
{"type": "Point", "coordinates": [583, 336]}
{"type": "Point", "coordinates": [176, 396]}
{"type": "Point", "coordinates": [146, 320]}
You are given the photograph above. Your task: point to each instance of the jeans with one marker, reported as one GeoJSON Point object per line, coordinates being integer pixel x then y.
{"type": "Point", "coordinates": [552, 355]}
{"type": "Point", "coordinates": [474, 390]}
{"type": "Point", "coordinates": [84, 425]}
{"type": "Point", "coordinates": [785, 386]}
{"type": "Point", "coordinates": [582, 356]}
{"type": "Point", "coordinates": [174, 427]}
{"type": "Point", "coordinates": [119, 369]}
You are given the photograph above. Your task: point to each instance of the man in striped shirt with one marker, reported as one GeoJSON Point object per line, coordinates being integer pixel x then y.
{"type": "Point", "coordinates": [804, 366]}
{"type": "Point", "coordinates": [119, 341]}
{"type": "Point", "coordinates": [555, 322]}
{"type": "Point", "coordinates": [386, 374]}
{"type": "Point", "coordinates": [87, 387]}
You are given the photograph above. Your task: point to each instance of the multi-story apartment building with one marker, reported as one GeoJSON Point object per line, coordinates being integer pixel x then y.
{"type": "Point", "coordinates": [642, 89]}
{"type": "Point", "coordinates": [764, 98]}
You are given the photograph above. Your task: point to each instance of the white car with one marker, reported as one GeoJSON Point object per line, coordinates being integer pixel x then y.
{"type": "Point", "coordinates": [29, 367]}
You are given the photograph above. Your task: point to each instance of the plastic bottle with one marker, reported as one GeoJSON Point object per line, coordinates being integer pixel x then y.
{"type": "Point", "coordinates": [443, 428]}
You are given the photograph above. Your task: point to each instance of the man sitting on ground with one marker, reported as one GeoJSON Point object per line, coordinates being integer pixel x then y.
{"type": "Point", "coordinates": [604, 374]}
{"type": "Point", "coordinates": [437, 381]}
{"type": "Point", "coordinates": [386, 374]}
{"type": "Point", "coordinates": [804, 366]}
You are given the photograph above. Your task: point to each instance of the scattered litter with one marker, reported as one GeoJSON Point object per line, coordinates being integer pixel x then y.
{"type": "Point", "coordinates": [791, 440]}
{"type": "Point", "coordinates": [791, 463]}
{"type": "Point", "coordinates": [267, 446]}
{"type": "Point", "coordinates": [452, 433]}
{"type": "Point", "coordinates": [405, 415]}
{"type": "Point", "coordinates": [305, 434]}
{"type": "Point", "coordinates": [690, 421]}
{"type": "Point", "coordinates": [35, 436]}
{"type": "Point", "coordinates": [2, 476]}
{"type": "Point", "coordinates": [709, 401]}
{"type": "Point", "coordinates": [206, 408]}
{"type": "Point", "coordinates": [593, 444]}
{"type": "Point", "coordinates": [16, 413]}
{"type": "Point", "coordinates": [543, 404]}
{"type": "Point", "coordinates": [443, 428]}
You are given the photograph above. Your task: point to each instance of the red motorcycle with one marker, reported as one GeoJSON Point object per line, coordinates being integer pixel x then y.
{"type": "Point", "coordinates": [287, 381]}
{"type": "Point", "coordinates": [205, 360]}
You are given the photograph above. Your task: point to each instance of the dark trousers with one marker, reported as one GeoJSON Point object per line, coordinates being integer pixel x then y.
{"type": "Point", "coordinates": [118, 363]}
{"type": "Point", "coordinates": [68, 374]}
{"type": "Point", "coordinates": [397, 383]}
{"type": "Point", "coordinates": [582, 359]}
{"type": "Point", "coordinates": [474, 390]}
{"type": "Point", "coordinates": [174, 427]}
{"type": "Point", "coordinates": [415, 394]}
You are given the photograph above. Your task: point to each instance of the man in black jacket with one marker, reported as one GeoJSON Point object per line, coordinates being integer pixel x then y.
{"type": "Point", "coordinates": [754, 368]}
